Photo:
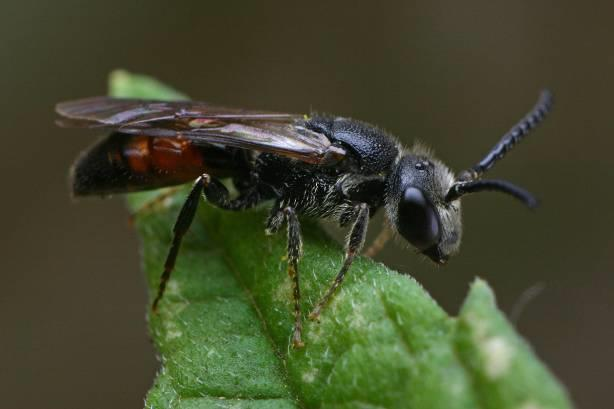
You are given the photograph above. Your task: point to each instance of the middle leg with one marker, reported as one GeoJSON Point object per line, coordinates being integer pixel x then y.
{"type": "Point", "coordinates": [294, 253]}
{"type": "Point", "coordinates": [295, 250]}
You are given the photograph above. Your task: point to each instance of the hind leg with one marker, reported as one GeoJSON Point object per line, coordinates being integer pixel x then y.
{"type": "Point", "coordinates": [182, 224]}
{"type": "Point", "coordinates": [215, 192]}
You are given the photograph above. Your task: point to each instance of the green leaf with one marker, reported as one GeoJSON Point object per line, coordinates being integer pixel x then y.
{"type": "Point", "coordinates": [224, 325]}
{"type": "Point", "coordinates": [122, 84]}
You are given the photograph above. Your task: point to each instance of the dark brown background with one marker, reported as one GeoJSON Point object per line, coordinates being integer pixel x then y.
{"type": "Point", "coordinates": [455, 75]}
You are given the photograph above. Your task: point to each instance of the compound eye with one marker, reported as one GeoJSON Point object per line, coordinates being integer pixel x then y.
{"type": "Point", "coordinates": [418, 222]}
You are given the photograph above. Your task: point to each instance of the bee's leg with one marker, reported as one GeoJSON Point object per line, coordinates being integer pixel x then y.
{"type": "Point", "coordinates": [295, 251]}
{"type": "Point", "coordinates": [184, 220]}
{"type": "Point", "coordinates": [356, 240]}
{"type": "Point", "coordinates": [275, 220]}
{"type": "Point", "coordinates": [217, 194]}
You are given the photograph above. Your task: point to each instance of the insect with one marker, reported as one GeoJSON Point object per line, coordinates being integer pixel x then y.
{"type": "Point", "coordinates": [318, 165]}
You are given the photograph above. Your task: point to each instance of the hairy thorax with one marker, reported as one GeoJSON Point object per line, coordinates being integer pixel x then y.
{"type": "Point", "coordinates": [312, 192]}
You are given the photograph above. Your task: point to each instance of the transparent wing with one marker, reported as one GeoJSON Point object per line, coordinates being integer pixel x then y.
{"type": "Point", "coordinates": [203, 123]}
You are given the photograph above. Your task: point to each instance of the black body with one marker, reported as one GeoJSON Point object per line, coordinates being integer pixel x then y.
{"type": "Point", "coordinates": [321, 166]}
{"type": "Point", "coordinates": [326, 191]}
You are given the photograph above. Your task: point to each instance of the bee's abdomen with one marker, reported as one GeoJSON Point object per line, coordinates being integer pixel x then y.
{"type": "Point", "coordinates": [125, 163]}
{"type": "Point", "coordinates": [161, 156]}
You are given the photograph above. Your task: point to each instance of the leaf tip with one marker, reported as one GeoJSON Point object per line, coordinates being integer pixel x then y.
{"type": "Point", "coordinates": [119, 80]}
{"type": "Point", "coordinates": [124, 84]}
{"type": "Point", "coordinates": [480, 292]}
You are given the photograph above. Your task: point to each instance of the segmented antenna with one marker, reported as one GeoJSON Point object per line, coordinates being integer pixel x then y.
{"type": "Point", "coordinates": [469, 181]}
{"type": "Point", "coordinates": [459, 189]}
{"type": "Point", "coordinates": [511, 138]}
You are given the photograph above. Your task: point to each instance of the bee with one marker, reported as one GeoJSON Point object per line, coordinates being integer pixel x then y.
{"type": "Point", "coordinates": [316, 165]}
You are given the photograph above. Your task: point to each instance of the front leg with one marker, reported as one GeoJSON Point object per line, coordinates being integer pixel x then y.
{"type": "Point", "coordinates": [356, 240]}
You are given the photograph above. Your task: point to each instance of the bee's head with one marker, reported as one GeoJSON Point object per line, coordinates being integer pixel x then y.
{"type": "Point", "coordinates": [416, 205]}
{"type": "Point", "coordinates": [423, 196]}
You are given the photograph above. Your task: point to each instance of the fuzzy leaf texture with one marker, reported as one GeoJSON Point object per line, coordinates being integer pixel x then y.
{"type": "Point", "coordinates": [223, 328]}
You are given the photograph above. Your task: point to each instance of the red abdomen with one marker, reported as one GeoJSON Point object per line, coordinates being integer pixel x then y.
{"type": "Point", "coordinates": [125, 163]}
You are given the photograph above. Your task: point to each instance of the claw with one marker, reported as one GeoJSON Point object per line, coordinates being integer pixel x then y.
{"type": "Point", "coordinates": [297, 343]}
{"type": "Point", "coordinates": [315, 315]}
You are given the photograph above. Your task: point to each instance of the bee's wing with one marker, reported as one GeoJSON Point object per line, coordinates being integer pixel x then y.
{"type": "Point", "coordinates": [200, 122]}
{"type": "Point", "coordinates": [109, 111]}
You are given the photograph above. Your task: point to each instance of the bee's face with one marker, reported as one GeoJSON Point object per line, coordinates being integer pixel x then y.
{"type": "Point", "coordinates": [416, 206]}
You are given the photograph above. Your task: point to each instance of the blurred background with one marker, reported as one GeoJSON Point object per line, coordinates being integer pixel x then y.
{"type": "Point", "coordinates": [452, 74]}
